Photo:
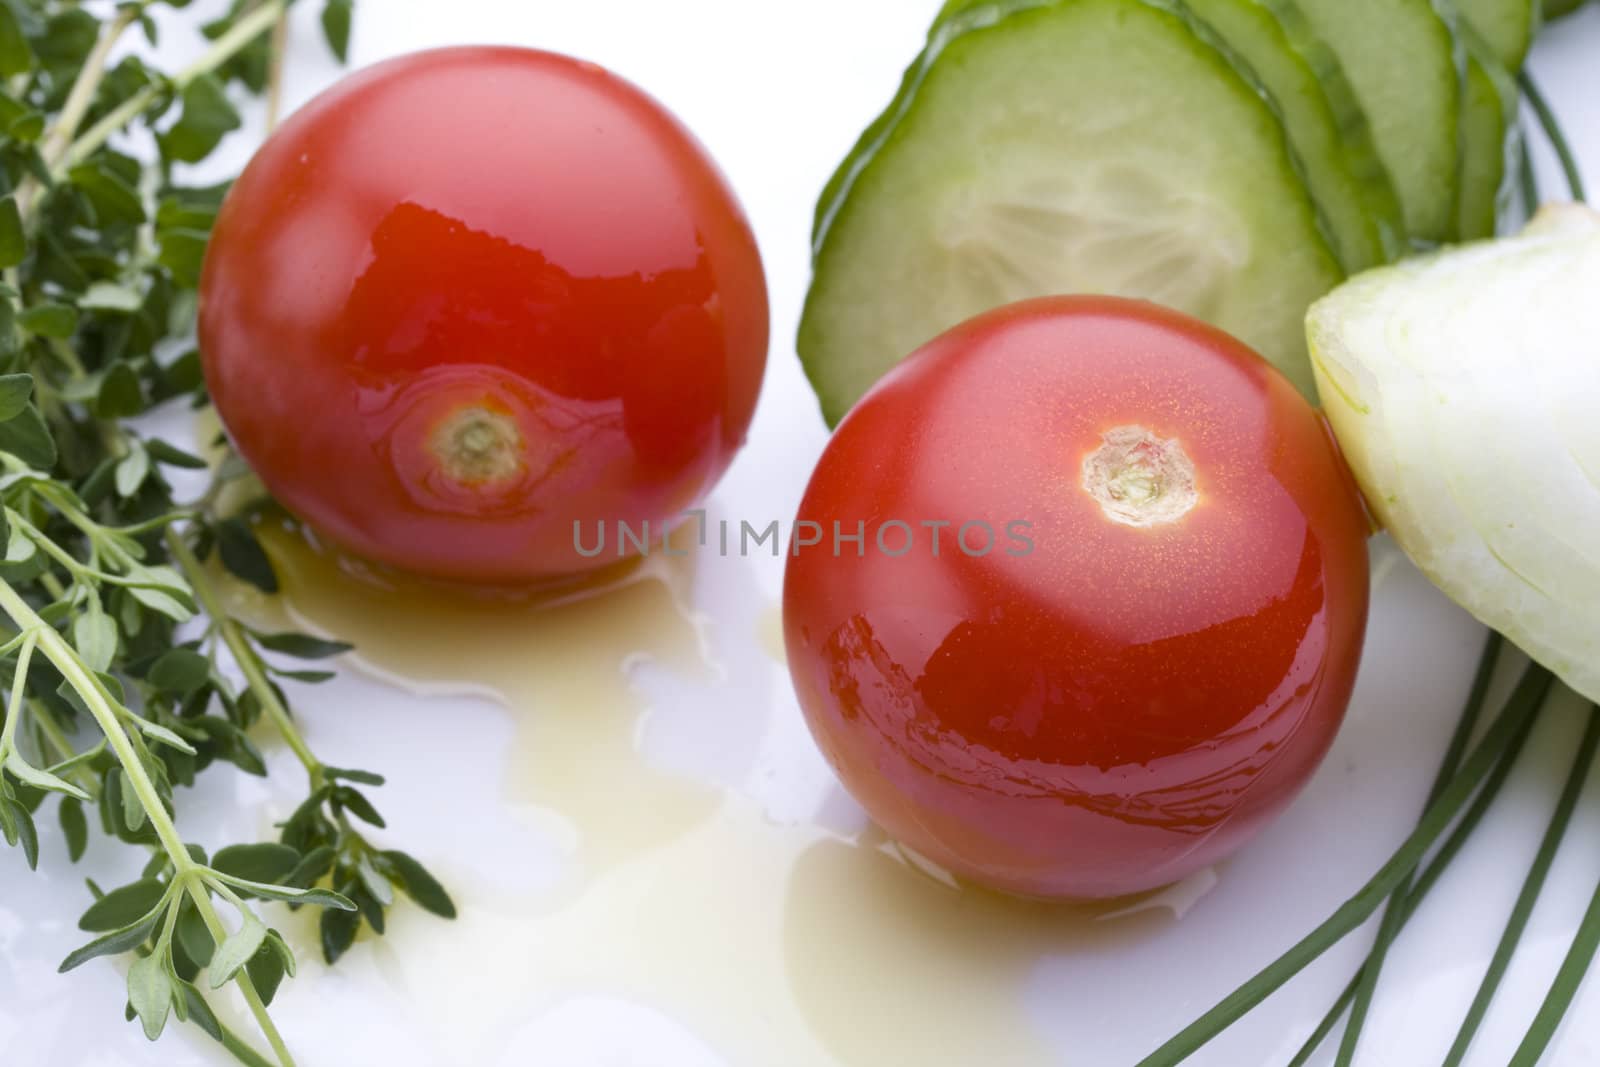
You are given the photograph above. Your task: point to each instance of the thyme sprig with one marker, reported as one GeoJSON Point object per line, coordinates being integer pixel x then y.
{"type": "Point", "coordinates": [116, 645]}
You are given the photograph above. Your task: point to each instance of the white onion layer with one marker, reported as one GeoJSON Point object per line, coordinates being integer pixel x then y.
{"type": "Point", "coordinates": [1464, 388]}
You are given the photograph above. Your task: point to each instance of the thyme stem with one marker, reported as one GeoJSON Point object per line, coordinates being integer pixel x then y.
{"type": "Point", "coordinates": [66, 660]}
{"type": "Point", "coordinates": [79, 100]}
{"type": "Point", "coordinates": [230, 44]}
{"type": "Point", "coordinates": [249, 662]}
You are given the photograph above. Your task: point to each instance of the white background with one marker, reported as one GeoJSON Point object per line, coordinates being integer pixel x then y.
{"type": "Point", "coordinates": [778, 93]}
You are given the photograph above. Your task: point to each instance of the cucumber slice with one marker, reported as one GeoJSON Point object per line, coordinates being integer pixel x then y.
{"type": "Point", "coordinates": [1405, 67]}
{"type": "Point", "coordinates": [1488, 131]}
{"type": "Point", "coordinates": [1506, 26]}
{"type": "Point", "coordinates": [1326, 125]}
{"type": "Point", "coordinates": [1049, 146]}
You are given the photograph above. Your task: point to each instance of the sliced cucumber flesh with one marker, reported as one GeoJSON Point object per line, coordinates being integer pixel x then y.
{"type": "Point", "coordinates": [1327, 128]}
{"type": "Point", "coordinates": [1048, 146]}
{"type": "Point", "coordinates": [1326, 125]}
{"type": "Point", "coordinates": [1404, 64]}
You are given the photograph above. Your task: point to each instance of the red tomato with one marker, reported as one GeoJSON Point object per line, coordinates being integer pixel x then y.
{"type": "Point", "coordinates": [470, 297]}
{"type": "Point", "coordinates": [1127, 683]}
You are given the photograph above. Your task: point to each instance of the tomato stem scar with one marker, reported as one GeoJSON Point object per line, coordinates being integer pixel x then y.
{"type": "Point", "coordinates": [1139, 478]}
{"type": "Point", "coordinates": [475, 446]}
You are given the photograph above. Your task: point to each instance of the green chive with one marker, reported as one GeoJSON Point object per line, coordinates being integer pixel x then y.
{"type": "Point", "coordinates": [1565, 987]}
{"type": "Point", "coordinates": [1429, 877]}
{"type": "Point", "coordinates": [1527, 180]}
{"type": "Point", "coordinates": [1583, 945]}
{"type": "Point", "coordinates": [1524, 702]}
{"type": "Point", "coordinates": [1552, 130]}
{"type": "Point", "coordinates": [1367, 984]}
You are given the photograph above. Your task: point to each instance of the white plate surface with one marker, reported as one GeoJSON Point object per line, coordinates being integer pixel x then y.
{"type": "Point", "coordinates": [778, 92]}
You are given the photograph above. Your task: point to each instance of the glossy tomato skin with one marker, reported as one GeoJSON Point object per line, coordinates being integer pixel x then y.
{"type": "Point", "coordinates": [470, 296]}
{"type": "Point", "coordinates": [1123, 705]}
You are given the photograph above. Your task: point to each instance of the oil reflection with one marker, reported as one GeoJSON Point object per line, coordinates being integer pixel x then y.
{"type": "Point", "coordinates": [679, 894]}
{"type": "Point", "coordinates": [890, 966]}
{"type": "Point", "coordinates": [557, 654]}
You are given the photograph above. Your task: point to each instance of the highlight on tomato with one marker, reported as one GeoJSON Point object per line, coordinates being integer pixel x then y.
{"type": "Point", "coordinates": [471, 297]}
{"type": "Point", "coordinates": [1153, 652]}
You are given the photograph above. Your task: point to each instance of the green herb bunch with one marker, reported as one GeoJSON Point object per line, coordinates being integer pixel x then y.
{"type": "Point", "coordinates": [114, 639]}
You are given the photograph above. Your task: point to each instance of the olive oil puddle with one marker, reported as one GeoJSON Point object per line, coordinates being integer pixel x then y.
{"type": "Point", "coordinates": [770, 943]}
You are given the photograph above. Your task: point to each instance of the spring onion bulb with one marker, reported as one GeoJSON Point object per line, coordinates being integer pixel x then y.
{"type": "Point", "coordinates": [1464, 387]}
